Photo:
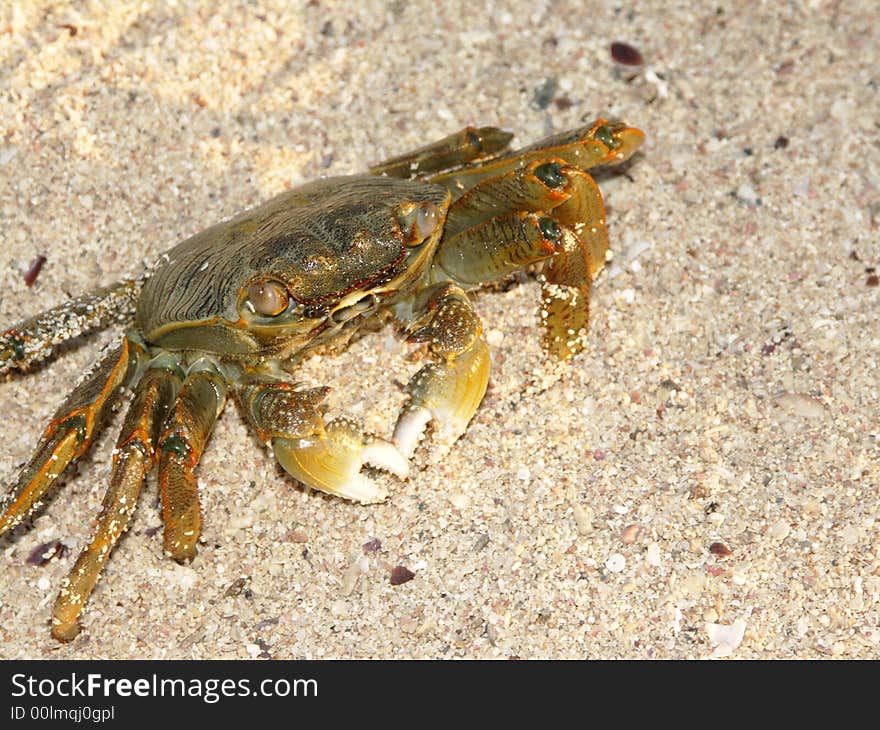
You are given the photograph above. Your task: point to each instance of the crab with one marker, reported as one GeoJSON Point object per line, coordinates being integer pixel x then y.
{"type": "Point", "coordinates": [235, 309]}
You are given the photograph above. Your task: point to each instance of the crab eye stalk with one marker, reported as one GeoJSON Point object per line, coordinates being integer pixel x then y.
{"type": "Point", "coordinates": [418, 221]}
{"type": "Point", "coordinates": [268, 298]}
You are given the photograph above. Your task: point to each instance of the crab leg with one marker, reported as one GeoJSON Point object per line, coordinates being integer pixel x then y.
{"type": "Point", "coordinates": [448, 391]}
{"type": "Point", "coordinates": [71, 431]}
{"type": "Point", "coordinates": [132, 460]}
{"type": "Point", "coordinates": [497, 247]}
{"type": "Point", "coordinates": [601, 143]}
{"type": "Point", "coordinates": [464, 146]}
{"type": "Point", "coordinates": [35, 338]}
{"type": "Point", "coordinates": [566, 276]}
{"type": "Point", "coordinates": [185, 432]}
{"type": "Point", "coordinates": [327, 457]}
{"type": "Point", "coordinates": [567, 230]}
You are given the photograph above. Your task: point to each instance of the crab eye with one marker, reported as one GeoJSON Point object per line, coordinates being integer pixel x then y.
{"type": "Point", "coordinates": [419, 221]}
{"type": "Point", "coordinates": [427, 219]}
{"type": "Point", "coordinates": [268, 298]}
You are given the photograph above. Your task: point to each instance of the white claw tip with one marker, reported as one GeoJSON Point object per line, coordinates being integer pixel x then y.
{"type": "Point", "coordinates": [387, 456]}
{"type": "Point", "coordinates": [410, 428]}
{"type": "Point", "coordinates": [360, 489]}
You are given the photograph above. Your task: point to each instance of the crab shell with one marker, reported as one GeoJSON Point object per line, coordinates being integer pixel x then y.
{"type": "Point", "coordinates": [329, 245]}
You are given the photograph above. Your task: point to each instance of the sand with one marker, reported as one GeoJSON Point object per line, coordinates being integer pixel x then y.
{"type": "Point", "coordinates": [702, 482]}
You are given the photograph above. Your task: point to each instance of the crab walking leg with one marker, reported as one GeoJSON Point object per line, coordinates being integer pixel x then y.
{"type": "Point", "coordinates": [132, 460]}
{"type": "Point", "coordinates": [327, 457]}
{"type": "Point", "coordinates": [497, 247]}
{"type": "Point", "coordinates": [540, 186]}
{"type": "Point", "coordinates": [35, 338]}
{"type": "Point", "coordinates": [71, 431]}
{"type": "Point", "coordinates": [448, 391]}
{"type": "Point", "coordinates": [601, 143]}
{"type": "Point", "coordinates": [488, 235]}
{"type": "Point", "coordinates": [185, 432]}
{"type": "Point", "coordinates": [462, 147]}
{"type": "Point", "coordinates": [566, 276]}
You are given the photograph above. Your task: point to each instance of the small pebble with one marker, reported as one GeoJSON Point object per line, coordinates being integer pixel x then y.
{"type": "Point", "coordinates": [625, 54]}
{"type": "Point", "coordinates": [338, 608]}
{"type": "Point", "coordinates": [615, 563]}
{"type": "Point", "coordinates": [779, 530]}
{"type": "Point", "coordinates": [34, 271]}
{"type": "Point", "coordinates": [372, 546]}
{"type": "Point", "coordinates": [799, 404]}
{"type": "Point", "coordinates": [401, 574]}
{"type": "Point", "coordinates": [720, 550]}
{"type": "Point", "coordinates": [350, 579]}
{"type": "Point", "coordinates": [240, 522]}
{"type": "Point", "coordinates": [630, 534]}
{"type": "Point", "coordinates": [44, 584]}
{"type": "Point", "coordinates": [653, 555]}
{"type": "Point", "coordinates": [726, 638]}
{"type": "Point", "coordinates": [42, 554]}
{"type": "Point", "coordinates": [583, 518]}
{"type": "Point", "coordinates": [746, 193]}
{"type": "Point", "coordinates": [494, 337]}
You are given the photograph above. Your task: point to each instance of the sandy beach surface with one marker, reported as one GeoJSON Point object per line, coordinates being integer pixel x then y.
{"type": "Point", "coordinates": [702, 482]}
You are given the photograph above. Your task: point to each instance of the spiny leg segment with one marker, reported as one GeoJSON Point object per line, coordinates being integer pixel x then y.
{"type": "Point", "coordinates": [132, 460]}
{"type": "Point", "coordinates": [71, 431]}
{"type": "Point", "coordinates": [454, 151]}
{"type": "Point", "coordinates": [601, 143]}
{"type": "Point", "coordinates": [34, 339]}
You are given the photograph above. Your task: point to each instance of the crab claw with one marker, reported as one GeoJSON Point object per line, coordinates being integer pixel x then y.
{"type": "Point", "coordinates": [446, 393]}
{"type": "Point", "coordinates": [331, 461]}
